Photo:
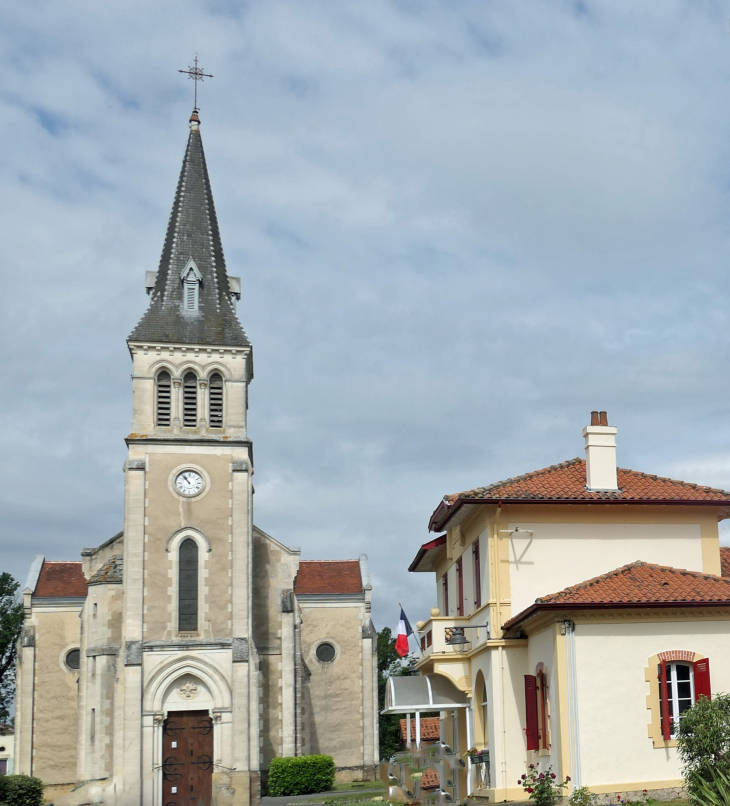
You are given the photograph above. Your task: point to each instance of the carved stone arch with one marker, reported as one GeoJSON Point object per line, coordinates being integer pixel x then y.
{"type": "Point", "coordinates": [216, 366]}
{"type": "Point", "coordinates": [179, 668]}
{"type": "Point", "coordinates": [189, 366]}
{"type": "Point", "coordinates": [177, 537]}
{"type": "Point", "coordinates": [163, 364]}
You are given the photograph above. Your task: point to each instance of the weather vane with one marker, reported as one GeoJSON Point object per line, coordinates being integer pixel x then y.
{"type": "Point", "coordinates": [197, 74]}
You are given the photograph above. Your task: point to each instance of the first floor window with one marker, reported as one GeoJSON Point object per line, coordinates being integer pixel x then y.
{"type": "Point", "coordinates": [680, 685]}
{"type": "Point", "coordinates": [446, 593]}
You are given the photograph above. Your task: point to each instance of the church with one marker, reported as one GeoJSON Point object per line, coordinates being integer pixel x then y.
{"type": "Point", "coordinates": [176, 659]}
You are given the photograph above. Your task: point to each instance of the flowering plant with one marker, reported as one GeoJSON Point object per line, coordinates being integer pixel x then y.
{"type": "Point", "coordinates": [474, 751]}
{"type": "Point", "coordinates": [542, 787]}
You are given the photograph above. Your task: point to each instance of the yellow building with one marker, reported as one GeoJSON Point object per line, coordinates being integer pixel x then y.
{"type": "Point", "coordinates": [580, 610]}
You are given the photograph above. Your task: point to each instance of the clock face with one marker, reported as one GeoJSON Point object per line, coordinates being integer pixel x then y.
{"type": "Point", "coordinates": [189, 483]}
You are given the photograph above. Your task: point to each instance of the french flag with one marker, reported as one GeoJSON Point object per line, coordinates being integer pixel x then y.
{"type": "Point", "coordinates": [404, 630]}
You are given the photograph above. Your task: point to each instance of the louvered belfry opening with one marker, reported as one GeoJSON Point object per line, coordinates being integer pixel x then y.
{"type": "Point", "coordinates": [164, 398]}
{"type": "Point", "coordinates": [216, 401]}
{"type": "Point", "coordinates": [190, 400]}
{"type": "Point", "coordinates": [191, 293]}
{"type": "Point", "coordinates": [187, 614]}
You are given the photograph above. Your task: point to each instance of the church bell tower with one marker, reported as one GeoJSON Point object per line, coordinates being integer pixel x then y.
{"type": "Point", "coordinates": [187, 615]}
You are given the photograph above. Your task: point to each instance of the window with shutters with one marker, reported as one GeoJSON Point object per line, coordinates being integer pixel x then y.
{"type": "Point", "coordinates": [164, 399]}
{"type": "Point", "coordinates": [677, 681]}
{"type": "Point", "coordinates": [460, 587]}
{"type": "Point", "coordinates": [187, 611]}
{"type": "Point", "coordinates": [445, 591]}
{"type": "Point", "coordinates": [215, 401]}
{"type": "Point", "coordinates": [190, 400]}
{"type": "Point", "coordinates": [532, 728]}
{"type": "Point", "coordinates": [477, 574]}
{"type": "Point", "coordinates": [543, 712]}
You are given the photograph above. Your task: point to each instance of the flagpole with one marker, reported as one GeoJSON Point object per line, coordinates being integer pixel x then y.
{"type": "Point", "coordinates": [418, 643]}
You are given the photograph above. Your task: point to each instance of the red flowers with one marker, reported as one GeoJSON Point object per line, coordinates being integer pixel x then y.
{"type": "Point", "coordinates": [552, 775]}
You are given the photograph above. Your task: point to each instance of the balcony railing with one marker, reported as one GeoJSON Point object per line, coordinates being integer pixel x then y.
{"type": "Point", "coordinates": [438, 630]}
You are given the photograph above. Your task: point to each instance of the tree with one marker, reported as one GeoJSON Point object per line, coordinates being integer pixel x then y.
{"type": "Point", "coordinates": [11, 623]}
{"type": "Point", "coordinates": [703, 741]}
{"type": "Point", "coordinates": [390, 664]}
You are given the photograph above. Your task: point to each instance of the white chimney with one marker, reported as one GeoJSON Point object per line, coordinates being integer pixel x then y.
{"type": "Point", "coordinates": [600, 453]}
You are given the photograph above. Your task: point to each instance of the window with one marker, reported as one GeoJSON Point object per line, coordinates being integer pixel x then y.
{"type": "Point", "coordinates": [191, 286]}
{"type": "Point", "coordinates": [477, 575]}
{"type": "Point", "coordinates": [445, 583]}
{"type": "Point", "coordinates": [92, 725]}
{"type": "Point", "coordinates": [544, 712]}
{"type": "Point", "coordinates": [532, 730]}
{"type": "Point", "coordinates": [485, 715]}
{"type": "Point", "coordinates": [215, 401]}
{"type": "Point", "coordinates": [460, 587]}
{"type": "Point", "coordinates": [164, 398]}
{"type": "Point", "coordinates": [325, 652]}
{"type": "Point", "coordinates": [73, 659]}
{"type": "Point", "coordinates": [187, 620]}
{"type": "Point", "coordinates": [190, 400]}
{"type": "Point", "coordinates": [680, 685]}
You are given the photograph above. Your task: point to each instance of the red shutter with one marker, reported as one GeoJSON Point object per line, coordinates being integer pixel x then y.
{"type": "Point", "coordinates": [477, 575]}
{"type": "Point", "coordinates": [531, 728]}
{"type": "Point", "coordinates": [460, 590]}
{"type": "Point", "coordinates": [664, 701]}
{"type": "Point", "coordinates": [702, 678]}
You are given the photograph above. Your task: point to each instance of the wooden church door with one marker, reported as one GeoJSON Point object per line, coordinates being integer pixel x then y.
{"type": "Point", "coordinates": [187, 759]}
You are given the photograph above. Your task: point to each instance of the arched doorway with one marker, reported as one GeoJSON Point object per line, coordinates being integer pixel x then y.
{"type": "Point", "coordinates": [188, 750]}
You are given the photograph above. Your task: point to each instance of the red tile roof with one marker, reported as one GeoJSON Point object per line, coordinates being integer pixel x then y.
{"type": "Point", "coordinates": [567, 482]}
{"type": "Point", "coordinates": [430, 729]}
{"type": "Point", "coordinates": [430, 779]}
{"type": "Point", "coordinates": [638, 584]}
{"type": "Point", "coordinates": [328, 576]}
{"type": "Point", "coordinates": [60, 579]}
{"type": "Point", "coordinates": [725, 561]}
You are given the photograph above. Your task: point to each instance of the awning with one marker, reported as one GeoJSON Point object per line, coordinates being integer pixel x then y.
{"type": "Point", "coordinates": [428, 692]}
{"type": "Point", "coordinates": [427, 554]}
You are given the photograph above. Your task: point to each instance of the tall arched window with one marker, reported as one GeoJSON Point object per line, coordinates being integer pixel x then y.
{"type": "Point", "coordinates": [190, 400]}
{"type": "Point", "coordinates": [215, 401]}
{"type": "Point", "coordinates": [164, 398]}
{"type": "Point", "coordinates": [187, 609]}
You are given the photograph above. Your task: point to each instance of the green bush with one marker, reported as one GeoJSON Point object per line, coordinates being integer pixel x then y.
{"type": "Point", "coordinates": [714, 792]}
{"type": "Point", "coordinates": [703, 742]}
{"type": "Point", "coordinates": [303, 775]}
{"type": "Point", "coordinates": [21, 790]}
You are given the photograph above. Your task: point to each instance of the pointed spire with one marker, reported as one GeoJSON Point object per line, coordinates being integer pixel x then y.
{"type": "Point", "coordinates": [193, 251]}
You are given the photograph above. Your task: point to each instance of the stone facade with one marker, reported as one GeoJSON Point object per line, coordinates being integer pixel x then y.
{"type": "Point", "coordinates": [191, 608]}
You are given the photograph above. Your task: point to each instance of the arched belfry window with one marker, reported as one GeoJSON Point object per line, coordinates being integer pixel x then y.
{"type": "Point", "coordinates": [191, 280]}
{"type": "Point", "coordinates": [164, 398]}
{"type": "Point", "coordinates": [215, 400]}
{"type": "Point", "coordinates": [190, 400]}
{"type": "Point", "coordinates": [187, 608]}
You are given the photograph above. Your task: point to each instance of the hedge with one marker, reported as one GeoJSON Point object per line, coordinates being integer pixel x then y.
{"type": "Point", "coordinates": [302, 775]}
{"type": "Point", "coordinates": [21, 790]}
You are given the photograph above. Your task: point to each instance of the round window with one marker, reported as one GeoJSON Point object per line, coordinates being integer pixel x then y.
{"type": "Point", "coordinates": [325, 653]}
{"type": "Point", "coordinates": [73, 659]}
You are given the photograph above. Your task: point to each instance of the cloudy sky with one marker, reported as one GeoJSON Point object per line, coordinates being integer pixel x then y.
{"type": "Point", "coordinates": [459, 226]}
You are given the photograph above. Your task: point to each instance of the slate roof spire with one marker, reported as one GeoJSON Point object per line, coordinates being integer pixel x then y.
{"type": "Point", "coordinates": [192, 234]}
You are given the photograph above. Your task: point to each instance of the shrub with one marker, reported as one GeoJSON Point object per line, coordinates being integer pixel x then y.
{"type": "Point", "coordinates": [714, 793]}
{"type": "Point", "coordinates": [582, 796]}
{"type": "Point", "coordinates": [303, 775]}
{"type": "Point", "coordinates": [21, 790]}
{"type": "Point", "coordinates": [703, 742]}
{"type": "Point", "coordinates": [542, 787]}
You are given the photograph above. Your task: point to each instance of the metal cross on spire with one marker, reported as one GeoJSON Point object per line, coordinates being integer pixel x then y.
{"type": "Point", "coordinates": [197, 74]}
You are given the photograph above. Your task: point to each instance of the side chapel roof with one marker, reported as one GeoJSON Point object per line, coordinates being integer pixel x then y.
{"type": "Point", "coordinates": [638, 584]}
{"type": "Point", "coordinates": [192, 233]}
{"type": "Point", "coordinates": [328, 576]}
{"type": "Point", "coordinates": [60, 579]}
